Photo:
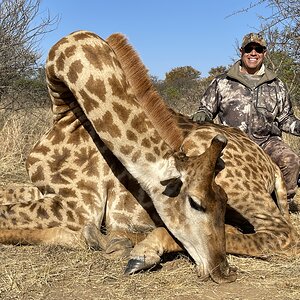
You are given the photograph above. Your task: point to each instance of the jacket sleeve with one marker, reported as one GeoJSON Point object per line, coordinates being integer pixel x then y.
{"type": "Point", "coordinates": [288, 122]}
{"type": "Point", "coordinates": [210, 99]}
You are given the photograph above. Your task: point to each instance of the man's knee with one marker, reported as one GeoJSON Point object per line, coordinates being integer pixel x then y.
{"type": "Point", "coordinates": [288, 162]}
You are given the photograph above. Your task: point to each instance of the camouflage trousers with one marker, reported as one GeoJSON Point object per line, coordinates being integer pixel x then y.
{"type": "Point", "coordinates": [288, 162]}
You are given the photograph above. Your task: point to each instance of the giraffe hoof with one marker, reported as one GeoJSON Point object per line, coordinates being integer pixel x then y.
{"type": "Point", "coordinates": [135, 265]}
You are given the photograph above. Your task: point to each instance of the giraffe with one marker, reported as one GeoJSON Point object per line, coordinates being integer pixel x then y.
{"type": "Point", "coordinates": [85, 167]}
{"type": "Point", "coordinates": [257, 224]}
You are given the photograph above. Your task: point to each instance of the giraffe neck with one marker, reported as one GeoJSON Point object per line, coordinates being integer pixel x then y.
{"type": "Point", "coordinates": [83, 69]}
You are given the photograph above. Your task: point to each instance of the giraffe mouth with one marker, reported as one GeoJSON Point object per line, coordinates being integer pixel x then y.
{"type": "Point", "coordinates": [221, 273]}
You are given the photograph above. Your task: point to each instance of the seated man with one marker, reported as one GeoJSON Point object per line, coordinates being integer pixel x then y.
{"type": "Point", "coordinates": [254, 99]}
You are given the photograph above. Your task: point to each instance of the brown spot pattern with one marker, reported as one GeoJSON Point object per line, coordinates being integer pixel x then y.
{"type": "Point", "coordinates": [136, 155]}
{"type": "Point", "coordinates": [126, 149]}
{"type": "Point", "coordinates": [131, 136]}
{"type": "Point", "coordinates": [88, 102]}
{"type": "Point", "coordinates": [42, 149]}
{"type": "Point", "coordinates": [150, 157]}
{"type": "Point", "coordinates": [156, 139]}
{"type": "Point", "coordinates": [93, 54]}
{"type": "Point", "coordinates": [58, 178]}
{"type": "Point", "coordinates": [156, 150]}
{"type": "Point", "coordinates": [42, 213]}
{"type": "Point", "coordinates": [38, 175]}
{"type": "Point", "coordinates": [67, 192]}
{"type": "Point", "coordinates": [70, 216]}
{"type": "Point", "coordinates": [74, 71]}
{"type": "Point", "coordinates": [146, 143]}
{"type": "Point", "coordinates": [138, 123]}
{"type": "Point", "coordinates": [82, 35]}
{"type": "Point", "coordinates": [121, 111]}
{"type": "Point", "coordinates": [70, 51]}
{"type": "Point", "coordinates": [118, 89]}
{"type": "Point", "coordinates": [56, 209]}
{"type": "Point", "coordinates": [96, 87]}
{"type": "Point", "coordinates": [56, 47]}
{"type": "Point", "coordinates": [106, 124]}
{"type": "Point", "coordinates": [59, 158]}
{"type": "Point", "coordinates": [60, 62]}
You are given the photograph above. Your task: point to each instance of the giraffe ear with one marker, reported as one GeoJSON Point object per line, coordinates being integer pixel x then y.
{"type": "Point", "coordinates": [173, 187]}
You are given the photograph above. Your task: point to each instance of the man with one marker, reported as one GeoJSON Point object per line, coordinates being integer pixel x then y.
{"type": "Point", "coordinates": [252, 98]}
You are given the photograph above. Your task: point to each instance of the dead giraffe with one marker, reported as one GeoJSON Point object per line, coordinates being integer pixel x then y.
{"type": "Point", "coordinates": [83, 182]}
{"type": "Point", "coordinates": [261, 226]}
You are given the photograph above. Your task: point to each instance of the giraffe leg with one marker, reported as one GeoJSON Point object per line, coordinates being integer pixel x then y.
{"type": "Point", "coordinates": [147, 253]}
{"type": "Point", "coordinates": [48, 220]}
{"type": "Point", "coordinates": [117, 243]}
{"type": "Point", "coordinates": [262, 244]}
{"type": "Point", "coordinates": [48, 236]}
{"type": "Point", "coordinates": [19, 194]}
{"type": "Point", "coordinates": [94, 239]}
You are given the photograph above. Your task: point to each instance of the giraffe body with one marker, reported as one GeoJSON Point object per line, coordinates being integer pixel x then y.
{"type": "Point", "coordinates": [79, 168]}
{"type": "Point", "coordinates": [262, 224]}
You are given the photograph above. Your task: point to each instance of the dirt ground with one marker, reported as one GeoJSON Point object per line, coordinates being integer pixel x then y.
{"type": "Point", "coordinates": [37, 272]}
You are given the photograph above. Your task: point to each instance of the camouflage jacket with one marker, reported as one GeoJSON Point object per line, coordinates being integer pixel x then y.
{"type": "Point", "coordinates": [261, 110]}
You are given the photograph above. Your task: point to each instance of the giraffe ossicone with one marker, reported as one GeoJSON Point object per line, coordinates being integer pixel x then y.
{"type": "Point", "coordinates": [257, 217]}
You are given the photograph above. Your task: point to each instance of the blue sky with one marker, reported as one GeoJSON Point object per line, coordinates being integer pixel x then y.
{"type": "Point", "coordinates": [165, 33]}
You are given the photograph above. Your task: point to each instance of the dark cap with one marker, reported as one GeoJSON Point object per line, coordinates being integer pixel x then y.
{"type": "Point", "coordinates": [254, 38]}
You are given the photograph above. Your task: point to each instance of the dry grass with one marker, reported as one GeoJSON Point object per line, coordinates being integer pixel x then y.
{"type": "Point", "coordinates": [20, 131]}
{"type": "Point", "coordinates": [37, 272]}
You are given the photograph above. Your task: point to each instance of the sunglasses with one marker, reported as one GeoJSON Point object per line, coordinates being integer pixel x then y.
{"type": "Point", "coordinates": [258, 49]}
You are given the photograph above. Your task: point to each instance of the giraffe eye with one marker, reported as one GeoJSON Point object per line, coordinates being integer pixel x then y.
{"type": "Point", "coordinates": [195, 205]}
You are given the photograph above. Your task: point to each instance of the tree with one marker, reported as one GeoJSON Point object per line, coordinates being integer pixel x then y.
{"type": "Point", "coordinates": [287, 70]}
{"type": "Point", "coordinates": [181, 89]}
{"type": "Point", "coordinates": [214, 72]}
{"type": "Point", "coordinates": [183, 73]}
{"type": "Point", "coordinates": [20, 34]}
{"type": "Point", "coordinates": [282, 26]}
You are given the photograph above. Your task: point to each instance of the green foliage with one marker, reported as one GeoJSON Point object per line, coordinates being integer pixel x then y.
{"type": "Point", "coordinates": [288, 70]}
{"type": "Point", "coordinates": [172, 92]}
{"type": "Point", "coordinates": [213, 72]}
{"type": "Point", "coordinates": [181, 89]}
{"type": "Point", "coordinates": [184, 86]}
{"type": "Point", "coordinates": [183, 73]}
{"type": "Point", "coordinates": [22, 26]}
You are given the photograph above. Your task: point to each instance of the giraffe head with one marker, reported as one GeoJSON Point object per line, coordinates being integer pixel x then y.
{"type": "Point", "coordinates": [84, 69]}
{"type": "Point", "coordinates": [197, 208]}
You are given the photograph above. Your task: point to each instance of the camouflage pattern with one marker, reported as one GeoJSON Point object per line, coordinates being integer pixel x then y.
{"type": "Point", "coordinates": [261, 108]}
{"type": "Point", "coordinates": [253, 38]}
{"type": "Point", "coordinates": [287, 160]}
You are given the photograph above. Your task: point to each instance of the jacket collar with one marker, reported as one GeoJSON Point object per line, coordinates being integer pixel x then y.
{"type": "Point", "coordinates": [234, 73]}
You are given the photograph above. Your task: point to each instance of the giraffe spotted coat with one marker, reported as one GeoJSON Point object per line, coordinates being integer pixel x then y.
{"type": "Point", "coordinates": [257, 212]}
{"type": "Point", "coordinates": [81, 168]}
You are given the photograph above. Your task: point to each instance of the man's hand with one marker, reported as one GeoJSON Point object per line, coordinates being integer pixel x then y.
{"type": "Point", "coordinates": [201, 117]}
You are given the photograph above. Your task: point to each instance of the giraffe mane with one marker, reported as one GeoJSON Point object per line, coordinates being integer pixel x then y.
{"type": "Point", "coordinates": [147, 96]}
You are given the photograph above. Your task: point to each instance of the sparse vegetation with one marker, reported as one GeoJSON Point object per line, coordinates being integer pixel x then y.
{"type": "Point", "coordinates": [37, 272]}
{"type": "Point", "coordinates": [20, 130]}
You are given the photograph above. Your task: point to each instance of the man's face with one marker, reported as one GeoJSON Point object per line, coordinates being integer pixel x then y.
{"type": "Point", "coordinates": [252, 56]}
